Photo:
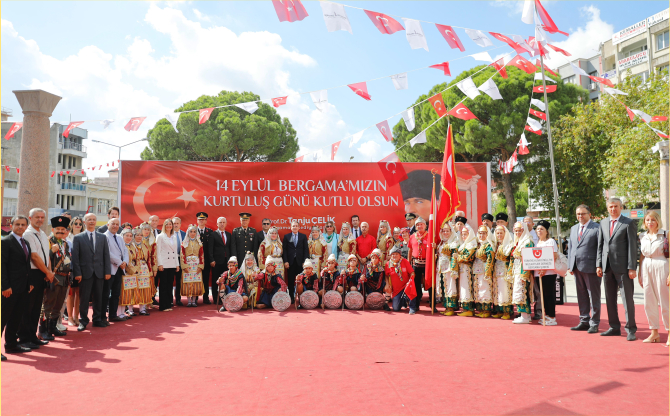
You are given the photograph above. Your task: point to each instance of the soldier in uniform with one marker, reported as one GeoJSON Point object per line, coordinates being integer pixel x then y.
{"type": "Point", "coordinates": [203, 233]}
{"type": "Point", "coordinates": [410, 218]}
{"type": "Point", "coordinates": [60, 263]}
{"type": "Point", "coordinates": [243, 237]}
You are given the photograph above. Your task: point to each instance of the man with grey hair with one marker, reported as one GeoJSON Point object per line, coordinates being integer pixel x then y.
{"type": "Point", "coordinates": [118, 257]}
{"type": "Point", "coordinates": [616, 262]}
{"type": "Point", "coordinates": [219, 248]}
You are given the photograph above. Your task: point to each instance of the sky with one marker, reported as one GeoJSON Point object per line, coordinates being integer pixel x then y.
{"type": "Point", "coordinates": [116, 60]}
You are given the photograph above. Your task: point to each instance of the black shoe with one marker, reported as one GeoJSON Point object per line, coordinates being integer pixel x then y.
{"type": "Point", "coordinates": [154, 302]}
{"type": "Point", "coordinates": [98, 324]}
{"type": "Point", "coordinates": [536, 317]}
{"type": "Point", "coordinates": [145, 313]}
{"type": "Point", "coordinates": [43, 331]}
{"type": "Point", "coordinates": [611, 333]}
{"type": "Point", "coordinates": [39, 342]}
{"type": "Point", "coordinates": [30, 345]}
{"type": "Point", "coordinates": [3, 357]}
{"type": "Point", "coordinates": [105, 323]}
{"type": "Point", "coordinates": [593, 330]}
{"type": "Point", "coordinates": [178, 303]}
{"type": "Point", "coordinates": [386, 307]}
{"type": "Point", "coordinates": [53, 330]}
{"type": "Point", "coordinates": [18, 349]}
{"type": "Point", "coordinates": [583, 326]}
{"type": "Point", "coordinates": [81, 326]}
{"type": "Point", "coordinates": [118, 319]}
{"type": "Point", "coordinates": [206, 301]}
{"type": "Point", "coordinates": [631, 337]}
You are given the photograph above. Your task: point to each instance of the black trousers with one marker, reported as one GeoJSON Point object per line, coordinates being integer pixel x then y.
{"type": "Point", "coordinates": [30, 318]}
{"type": "Point", "coordinates": [548, 295]}
{"type": "Point", "coordinates": [165, 278]}
{"type": "Point", "coordinates": [206, 270]}
{"type": "Point", "coordinates": [91, 288]}
{"type": "Point", "coordinates": [177, 287]}
{"type": "Point", "coordinates": [419, 277]}
{"type": "Point", "coordinates": [12, 312]}
{"type": "Point", "coordinates": [111, 291]}
{"type": "Point", "coordinates": [626, 286]}
{"type": "Point", "coordinates": [217, 271]}
{"type": "Point", "coordinates": [294, 269]}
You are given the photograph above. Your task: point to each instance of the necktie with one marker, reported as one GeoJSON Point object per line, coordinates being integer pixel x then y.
{"type": "Point", "coordinates": [612, 223]}
{"type": "Point", "coordinates": [581, 230]}
{"type": "Point", "coordinates": [295, 240]}
{"type": "Point", "coordinates": [117, 244]}
{"type": "Point", "coordinates": [25, 247]}
{"type": "Point", "coordinates": [90, 240]}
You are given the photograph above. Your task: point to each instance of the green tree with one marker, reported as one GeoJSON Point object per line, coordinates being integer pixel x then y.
{"type": "Point", "coordinates": [495, 135]}
{"type": "Point", "coordinates": [231, 134]}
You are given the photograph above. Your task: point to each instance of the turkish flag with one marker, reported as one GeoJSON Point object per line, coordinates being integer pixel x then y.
{"type": "Point", "coordinates": [299, 158]}
{"type": "Point", "coordinates": [333, 149]}
{"type": "Point", "coordinates": [53, 173]}
{"type": "Point", "coordinates": [438, 104]}
{"type": "Point", "coordinates": [659, 118]}
{"type": "Point", "coordinates": [7, 168]}
{"type": "Point", "coordinates": [523, 150]}
{"type": "Point", "coordinates": [533, 131]}
{"type": "Point", "coordinates": [549, 24]}
{"type": "Point", "coordinates": [517, 48]}
{"type": "Point", "coordinates": [499, 65]}
{"type": "Point", "coordinates": [557, 49]}
{"type": "Point", "coordinates": [392, 169]}
{"type": "Point", "coordinates": [462, 112]}
{"type": "Point", "coordinates": [602, 81]}
{"type": "Point", "coordinates": [540, 88]}
{"type": "Point", "coordinates": [539, 114]}
{"type": "Point", "coordinates": [450, 36]}
{"type": "Point", "coordinates": [385, 130]}
{"type": "Point", "coordinates": [70, 126]}
{"type": "Point", "coordinates": [204, 114]}
{"type": "Point", "coordinates": [450, 199]}
{"type": "Point", "coordinates": [289, 10]}
{"type": "Point", "coordinates": [523, 64]}
{"type": "Point", "coordinates": [430, 256]}
{"type": "Point", "coordinates": [386, 24]}
{"type": "Point", "coordinates": [546, 68]}
{"type": "Point", "coordinates": [444, 66]}
{"type": "Point", "coordinates": [410, 289]}
{"type": "Point", "coordinates": [15, 127]}
{"type": "Point", "coordinates": [360, 88]}
{"type": "Point", "coordinates": [134, 123]}
{"type": "Point", "coordinates": [276, 102]}
{"type": "Point", "coordinates": [631, 115]}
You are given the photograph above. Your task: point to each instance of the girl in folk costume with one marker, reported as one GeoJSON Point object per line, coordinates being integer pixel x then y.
{"type": "Point", "coordinates": [149, 240]}
{"type": "Point", "coordinates": [129, 283]}
{"type": "Point", "coordinates": [385, 241]}
{"type": "Point", "coordinates": [350, 276]}
{"type": "Point", "coordinates": [346, 246]}
{"type": "Point", "coordinates": [192, 258]}
{"type": "Point", "coordinates": [399, 241]}
{"type": "Point", "coordinates": [249, 270]}
{"type": "Point", "coordinates": [522, 290]}
{"type": "Point", "coordinates": [482, 270]}
{"type": "Point", "coordinates": [330, 276]}
{"type": "Point", "coordinates": [464, 258]}
{"type": "Point", "coordinates": [375, 279]}
{"type": "Point", "coordinates": [269, 282]}
{"type": "Point", "coordinates": [317, 249]}
{"type": "Point", "coordinates": [139, 258]}
{"type": "Point", "coordinates": [232, 280]}
{"type": "Point", "coordinates": [447, 284]}
{"type": "Point", "coordinates": [503, 279]}
{"type": "Point", "coordinates": [271, 247]}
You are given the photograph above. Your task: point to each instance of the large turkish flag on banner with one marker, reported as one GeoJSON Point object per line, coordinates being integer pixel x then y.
{"type": "Point", "coordinates": [289, 10]}
{"type": "Point", "coordinates": [386, 24]}
{"type": "Point", "coordinates": [392, 169]}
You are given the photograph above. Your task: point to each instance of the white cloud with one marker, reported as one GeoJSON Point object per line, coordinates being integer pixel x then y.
{"type": "Point", "coordinates": [201, 16]}
{"type": "Point", "coordinates": [369, 150]}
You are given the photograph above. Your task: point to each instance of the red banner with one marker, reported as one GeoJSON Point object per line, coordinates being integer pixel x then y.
{"type": "Point", "coordinates": [312, 193]}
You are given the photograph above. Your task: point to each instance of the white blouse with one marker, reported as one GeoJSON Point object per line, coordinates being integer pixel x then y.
{"type": "Point", "coordinates": [167, 251]}
{"type": "Point", "coordinates": [550, 242]}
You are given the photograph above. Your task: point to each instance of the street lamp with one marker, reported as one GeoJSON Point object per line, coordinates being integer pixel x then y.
{"type": "Point", "coordinates": [110, 144]}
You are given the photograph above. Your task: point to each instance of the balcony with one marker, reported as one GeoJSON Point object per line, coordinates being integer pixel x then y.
{"type": "Point", "coordinates": [76, 188]}
{"type": "Point", "coordinates": [72, 148]}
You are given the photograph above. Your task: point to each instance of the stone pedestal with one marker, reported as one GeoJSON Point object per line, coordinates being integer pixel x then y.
{"type": "Point", "coordinates": [663, 148]}
{"type": "Point", "coordinates": [37, 106]}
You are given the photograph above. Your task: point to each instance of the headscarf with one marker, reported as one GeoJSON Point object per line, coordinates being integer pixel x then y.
{"type": "Point", "coordinates": [389, 232]}
{"type": "Point", "coordinates": [455, 239]}
{"type": "Point", "coordinates": [525, 237]}
{"type": "Point", "coordinates": [470, 243]}
{"type": "Point", "coordinates": [508, 241]}
{"type": "Point", "coordinates": [487, 239]}
{"type": "Point", "coordinates": [244, 263]}
{"type": "Point", "coordinates": [151, 238]}
{"type": "Point", "coordinates": [188, 238]}
{"type": "Point", "coordinates": [320, 238]}
{"type": "Point", "coordinates": [274, 244]}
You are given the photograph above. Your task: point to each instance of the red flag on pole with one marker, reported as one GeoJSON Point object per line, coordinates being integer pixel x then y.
{"type": "Point", "coordinates": [392, 169]}
{"type": "Point", "coordinates": [499, 65]}
{"type": "Point", "coordinates": [450, 36]}
{"type": "Point", "coordinates": [523, 64]}
{"type": "Point", "coordinates": [15, 127]}
{"type": "Point", "coordinates": [289, 10]}
{"type": "Point", "coordinates": [385, 24]}
{"type": "Point", "coordinates": [430, 257]}
{"type": "Point", "coordinates": [444, 66]}
{"type": "Point", "coordinates": [204, 114]}
{"type": "Point", "coordinates": [360, 88]}
{"type": "Point", "coordinates": [449, 200]}
{"type": "Point", "coordinates": [410, 289]}
{"type": "Point", "coordinates": [438, 104]}
{"type": "Point", "coordinates": [540, 88]}
{"type": "Point", "coordinates": [70, 126]}
{"type": "Point", "coordinates": [462, 112]}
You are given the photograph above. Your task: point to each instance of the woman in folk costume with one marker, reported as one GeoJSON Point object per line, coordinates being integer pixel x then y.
{"type": "Point", "coordinates": [271, 247]}
{"type": "Point", "coordinates": [317, 249]}
{"type": "Point", "coordinates": [465, 256]}
{"type": "Point", "coordinates": [482, 270]}
{"type": "Point", "coordinates": [129, 283]}
{"type": "Point", "coordinates": [249, 270]}
{"type": "Point", "coordinates": [447, 284]}
{"type": "Point", "coordinates": [192, 258]}
{"type": "Point", "coordinates": [385, 241]}
{"type": "Point", "coordinates": [149, 240]}
{"type": "Point", "coordinates": [522, 290]}
{"type": "Point", "coordinates": [375, 279]}
{"type": "Point", "coordinates": [232, 280]}
{"type": "Point", "coordinates": [330, 276]}
{"type": "Point", "coordinates": [346, 246]}
{"type": "Point", "coordinates": [503, 280]}
{"type": "Point", "coordinates": [269, 283]}
{"type": "Point", "coordinates": [139, 259]}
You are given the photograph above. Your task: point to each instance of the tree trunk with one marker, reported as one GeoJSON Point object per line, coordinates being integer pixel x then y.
{"type": "Point", "coordinates": [509, 197]}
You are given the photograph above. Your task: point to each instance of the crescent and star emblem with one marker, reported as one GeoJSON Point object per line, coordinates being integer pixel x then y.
{"type": "Point", "coordinates": [438, 105]}
{"type": "Point", "coordinates": [449, 166]}
{"type": "Point", "coordinates": [387, 166]}
{"type": "Point", "coordinates": [464, 111]}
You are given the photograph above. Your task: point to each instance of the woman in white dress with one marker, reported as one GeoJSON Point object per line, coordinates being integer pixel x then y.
{"type": "Point", "coordinates": [447, 284]}
{"type": "Point", "coordinates": [504, 280]}
{"type": "Point", "coordinates": [465, 257]}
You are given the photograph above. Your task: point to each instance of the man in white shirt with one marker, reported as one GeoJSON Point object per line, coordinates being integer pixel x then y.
{"type": "Point", "coordinates": [118, 257]}
{"type": "Point", "coordinates": [40, 274]}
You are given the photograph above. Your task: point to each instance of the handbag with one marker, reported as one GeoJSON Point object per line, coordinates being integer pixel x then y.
{"type": "Point", "coordinates": [665, 244]}
{"type": "Point", "coordinates": [561, 265]}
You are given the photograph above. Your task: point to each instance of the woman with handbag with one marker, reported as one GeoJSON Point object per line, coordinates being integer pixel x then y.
{"type": "Point", "coordinates": [548, 276]}
{"type": "Point", "coordinates": [654, 277]}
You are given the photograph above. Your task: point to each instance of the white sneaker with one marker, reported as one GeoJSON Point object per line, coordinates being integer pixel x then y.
{"type": "Point", "coordinates": [521, 320]}
{"type": "Point", "coordinates": [550, 321]}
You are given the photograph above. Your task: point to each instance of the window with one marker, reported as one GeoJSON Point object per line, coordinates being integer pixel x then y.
{"type": "Point", "coordinates": [634, 51]}
{"type": "Point", "coordinates": [570, 80]}
{"type": "Point", "coordinates": [663, 68]}
{"type": "Point", "coordinates": [74, 162]}
{"type": "Point", "coordinates": [644, 75]}
{"type": "Point", "coordinates": [9, 206]}
{"type": "Point", "coordinates": [59, 157]}
{"type": "Point", "coordinates": [662, 40]}
{"type": "Point", "coordinates": [11, 184]}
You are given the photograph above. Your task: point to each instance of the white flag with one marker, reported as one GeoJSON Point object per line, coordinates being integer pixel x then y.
{"type": "Point", "coordinates": [355, 138]}
{"type": "Point", "coordinates": [414, 34]}
{"type": "Point", "coordinates": [419, 138]}
{"type": "Point", "coordinates": [400, 81]}
{"type": "Point", "coordinates": [539, 104]}
{"type": "Point", "coordinates": [479, 37]}
{"type": "Point", "coordinates": [468, 87]}
{"type": "Point", "coordinates": [408, 116]}
{"type": "Point", "coordinates": [482, 56]}
{"type": "Point", "coordinates": [538, 77]}
{"type": "Point", "coordinates": [316, 156]}
{"type": "Point", "coordinates": [173, 118]}
{"type": "Point", "coordinates": [335, 17]}
{"type": "Point", "coordinates": [542, 35]}
{"type": "Point", "coordinates": [614, 91]}
{"type": "Point", "coordinates": [106, 123]}
{"type": "Point", "coordinates": [249, 107]}
{"type": "Point", "coordinates": [644, 116]}
{"type": "Point", "coordinates": [534, 124]}
{"type": "Point", "coordinates": [660, 133]}
{"type": "Point", "coordinates": [521, 41]}
{"type": "Point", "coordinates": [523, 141]}
{"type": "Point", "coordinates": [491, 89]}
{"type": "Point", "coordinates": [528, 12]}
{"type": "Point", "coordinates": [320, 99]}
{"type": "Point", "coordinates": [577, 70]}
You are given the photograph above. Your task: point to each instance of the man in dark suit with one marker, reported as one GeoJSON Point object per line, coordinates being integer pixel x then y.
{"type": "Point", "coordinates": [243, 238]}
{"type": "Point", "coordinates": [90, 265]}
{"type": "Point", "coordinates": [204, 232]}
{"type": "Point", "coordinates": [295, 251]}
{"type": "Point", "coordinates": [582, 255]}
{"type": "Point", "coordinates": [220, 246]}
{"type": "Point", "coordinates": [410, 218]}
{"type": "Point", "coordinates": [180, 235]}
{"type": "Point", "coordinates": [260, 236]}
{"type": "Point", "coordinates": [617, 261]}
{"type": "Point", "coordinates": [113, 212]}
{"type": "Point", "coordinates": [15, 283]}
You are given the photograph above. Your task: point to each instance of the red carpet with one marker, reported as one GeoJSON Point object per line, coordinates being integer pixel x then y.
{"type": "Point", "coordinates": [195, 361]}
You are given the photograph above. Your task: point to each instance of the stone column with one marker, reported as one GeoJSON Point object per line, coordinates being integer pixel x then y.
{"type": "Point", "coordinates": [664, 194]}
{"type": "Point", "coordinates": [37, 106]}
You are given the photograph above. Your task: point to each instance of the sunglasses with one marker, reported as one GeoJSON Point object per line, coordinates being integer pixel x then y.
{"type": "Point", "coordinates": [266, 223]}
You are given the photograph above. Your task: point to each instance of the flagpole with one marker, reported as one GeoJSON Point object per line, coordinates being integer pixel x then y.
{"type": "Point", "coordinates": [432, 249]}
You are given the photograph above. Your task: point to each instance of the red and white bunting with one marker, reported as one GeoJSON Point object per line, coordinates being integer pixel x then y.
{"type": "Point", "coordinates": [659, 118]}
{"type": "Point", "coordinates": [602, 80]}
{"type": "Point", "coordinates": [540, 88]}
{"type": "Point", "coordinates": [444, 66]}
{"type": "Point", "coordinates": [517, 48]}
{"type": "Point", "coordinates": [523, 64]}
{"type": "Point", "coordinates": [438, 104]}
{"type": "Point", "coordinates": [539, 114]}
{"type": "Point", "coordinates": [333, 149]}
{"type": "Point", "coordinates": [12, 130]}
{"type": "Point", "coordinates": [450, 36]}
{"type": "Point", "coordinates": [299, 158]}
{"type": "Point", "coordinates": [559, 50]}
{"type": "Point", "coordinates": [335, 17]}
{"type": "Point", "coordinates": [204, 115]}
{"type": "Point", "coordinates": [384, 23]}
{"type": "Point", "coordinates": [70, 126]}
{"type": "Point", "coordinates": [289, 10]}
{"type": "Point", "coordinates": [549, 24]}
{"type": "Point", "coordinates": [134, 123]}
{"type": "Point", "coordinates": [523, 145]}
{"type": "Point", "coordinates": [533, 131]}
{"type": "Point", "coordinates": [361, 89]}
{"type": "Point", "coordinates": [631, 115]}
{"type": "Point", "coordinates": [385, 130]}
{"type": "Point", "coordinates": [462, 112]}
{"type": "Point", "coordinates": [499, 65]}
{"type": "Point", "coordinates": [279, 101]}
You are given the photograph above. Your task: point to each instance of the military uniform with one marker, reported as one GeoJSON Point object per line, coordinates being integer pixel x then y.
{"type": "Point", "coordinates": [56, 291]}
{"type": "Point", "coordinates": [243, 239]}
{"type": "Point", "coordinates": [206, 270]}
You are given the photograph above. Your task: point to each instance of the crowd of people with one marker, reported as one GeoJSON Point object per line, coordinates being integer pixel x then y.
{"type": "Point", "coordinates": [123, 271]}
